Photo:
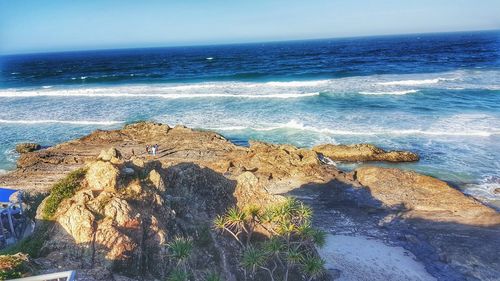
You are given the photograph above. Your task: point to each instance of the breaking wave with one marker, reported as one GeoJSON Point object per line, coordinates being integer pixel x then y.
{"type": "Point", "coordinates": [414, 82]}
{"type": "Point", "coordinates": [364, 85]}
{"type": "Point", "coordinates": [87, 93]}
{"type": "Point", "coordinates": [294, 125]}
{"type": "Point", "coordinates": [397, 93]}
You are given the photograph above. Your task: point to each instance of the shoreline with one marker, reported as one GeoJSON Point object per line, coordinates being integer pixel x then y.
{"type": "Point", "coordinates": [462, 186]}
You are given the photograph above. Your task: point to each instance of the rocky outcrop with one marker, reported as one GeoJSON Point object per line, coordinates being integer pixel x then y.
{"type": "Point", "coordinates": [363, 152]}
{"type": "Point", "coordinates": [27, 147]}
{"type": "Point", "coordinates": [118, 222]}
{"type": "Point", "coordinates": [424, 197]}
{"type": "Point", "coordinates": [131, 203]}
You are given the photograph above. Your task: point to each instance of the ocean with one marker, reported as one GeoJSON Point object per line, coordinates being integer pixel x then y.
{"type": "Point", "coordinates": [434, 94]}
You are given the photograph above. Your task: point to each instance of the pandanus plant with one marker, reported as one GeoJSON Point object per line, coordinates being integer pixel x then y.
{"type": "Point", "coordinates": [291, 243]}
{"type": "Point", "coordinates": [180, 250]}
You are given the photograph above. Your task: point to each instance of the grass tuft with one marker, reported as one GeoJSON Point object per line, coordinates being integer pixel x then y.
{"type": "Point", "coordinates": [64, 188]}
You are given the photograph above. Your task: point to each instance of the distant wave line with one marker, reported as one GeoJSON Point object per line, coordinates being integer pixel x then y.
{"type": "Point", "coordinates": [90, 93]}
{"type": "Point", "coordinates": [76, 122]}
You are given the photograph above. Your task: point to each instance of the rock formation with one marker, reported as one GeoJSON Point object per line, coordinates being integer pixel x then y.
{"type": "Point", "coordinates": [27, 147]}
{"type": "Point", "coordinates": [130, 204]}
{"type": "Point", "coordinates": [363, 152]}
{"type": "Point", "coordinates": [424, 197]}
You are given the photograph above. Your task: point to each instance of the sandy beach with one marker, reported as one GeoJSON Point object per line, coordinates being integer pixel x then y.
{"type": "Point", "coordinates": [360, 258]}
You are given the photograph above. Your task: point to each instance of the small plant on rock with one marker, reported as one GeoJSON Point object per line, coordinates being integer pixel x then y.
{"type": "Point", "coordinates": [180, 250]}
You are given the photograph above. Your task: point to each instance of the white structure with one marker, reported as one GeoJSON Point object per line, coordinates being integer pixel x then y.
{"type": "Point", "coordinates": [58, 276]}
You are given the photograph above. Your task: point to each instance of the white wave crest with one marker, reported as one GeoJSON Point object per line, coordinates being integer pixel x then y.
{"type": "Point", "coordinates": [413, 82]}
{"type": "Point", "coordinates": [298, 83]}
{"type": "Point", "coordinates": [294, 125]}
{"type": "Point", "coordinates": [486, 189]}
{"type": "Point", "coordinates": [397, 93]}
{"type": "Point", "coordinates": [392, 84]}
{"type": "Point", "coordinates": [71, 122]}
{"type": "Point", "coordinates": [122, 93]}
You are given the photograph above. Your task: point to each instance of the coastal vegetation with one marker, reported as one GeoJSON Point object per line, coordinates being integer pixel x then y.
{"type": "Point", "coordinates": [61, 190]}
{"type": "Point", "coordinates": [12, 266]}
{"type": "Point", "coordinates": [288, 244]}
{"type": "Point", "coordinates": [64, 188]}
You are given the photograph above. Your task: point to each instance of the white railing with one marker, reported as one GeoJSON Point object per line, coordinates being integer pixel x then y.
{"type": "Point", "coordinates": [58, 276]}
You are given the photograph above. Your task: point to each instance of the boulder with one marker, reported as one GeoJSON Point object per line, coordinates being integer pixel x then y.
{"type": "Point", "coordinates": [424, 197]}
{"type": "Point", "coordinates": [112, 155]}
{"type": "Point", "coordinates": [27, 147]}
{"type": "Point", "coordinates": [363, 152]}
{"type": "Point", "coordinates": [157, 180]}
{"type": "Point", "coordinates": [102, 176]}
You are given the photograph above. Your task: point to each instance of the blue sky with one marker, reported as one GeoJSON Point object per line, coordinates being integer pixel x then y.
{"type": "Point", "coordinates": [57, 25]}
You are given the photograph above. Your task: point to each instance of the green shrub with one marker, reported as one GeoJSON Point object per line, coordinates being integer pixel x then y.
{"type": "Point", "coordinates": [64, 188]}
{"type": "Point", "coordinates": [12, 266]}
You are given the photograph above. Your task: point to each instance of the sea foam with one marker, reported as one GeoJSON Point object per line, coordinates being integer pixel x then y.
{"type": "Point", "coordinates": [397, 93]}
{"type": "Point", "coordinates": [413, 82]}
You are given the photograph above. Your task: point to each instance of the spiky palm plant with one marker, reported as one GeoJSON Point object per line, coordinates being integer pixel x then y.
{"type": "Point", "coordinates": [180, 250]}
{"type": "Point", "coordinates": [303, 213]}
{"type": "Point", "coordinates": [318, 237]}
{"type": "Point", "coordinates": [291, 237]}
{"type": "Point", "coordinates": [178, 275]}
{"type": "Point", "coordinates": [313, 267]}
{"type": "Point", "coordinates": [235, 219]}
{"type": "Point", "coordinates": [252, 211]}
{"type": "Point", "coordinates": [253, 259]}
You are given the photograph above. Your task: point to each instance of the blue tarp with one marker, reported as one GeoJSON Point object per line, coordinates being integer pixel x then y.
{"type": "Point", "coordinates": [6, 193]}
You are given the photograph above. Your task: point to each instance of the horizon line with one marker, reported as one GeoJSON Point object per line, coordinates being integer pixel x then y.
{"type": "Point", "coordinates": [242, 43]}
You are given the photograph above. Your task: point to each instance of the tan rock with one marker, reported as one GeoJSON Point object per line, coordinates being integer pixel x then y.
{"type": "Point", "coordinates": [78, 222]}
{"type": "Point", "coordinates": [102, 176]}
{"type": "Point", "coordinates": [118, 210]}
{"type": "Point", "coordinates": [363, 152]}
{"type": "Point", "coordinates": [157, 180]}
{"type": "Point", "coordinates": [424, 197]}
{"type": "Point", "coordinates": [112, 155]}
{"type": "Point", "coordinates": [27, 147]}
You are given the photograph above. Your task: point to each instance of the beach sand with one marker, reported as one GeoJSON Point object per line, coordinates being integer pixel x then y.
{"type": "Point", "coordinates": [361, 258]}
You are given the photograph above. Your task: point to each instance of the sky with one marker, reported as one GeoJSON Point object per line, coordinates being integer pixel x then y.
{"type": "Point", "coordinates": [61, 25]}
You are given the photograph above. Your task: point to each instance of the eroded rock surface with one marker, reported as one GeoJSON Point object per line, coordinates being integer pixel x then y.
{"type": "Point", "coordinates": [363, 152]}
{"type": "Point", "coordinates": [424, 197]}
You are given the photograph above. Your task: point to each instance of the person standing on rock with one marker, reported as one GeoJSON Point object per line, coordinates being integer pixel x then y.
{"type": "Point", "coordinates": [147, 149]}
{"type": "Point", "coordinates": [156, 148]}
{"type": "Point", "coordinates": [153, 149]}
